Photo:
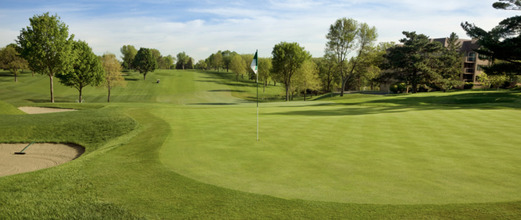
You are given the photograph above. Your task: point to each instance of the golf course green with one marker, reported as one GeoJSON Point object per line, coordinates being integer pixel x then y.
{"type": "Point", "coordinates": [186, 148]}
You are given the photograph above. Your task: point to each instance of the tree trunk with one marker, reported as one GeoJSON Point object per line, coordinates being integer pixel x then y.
{"type": "Point", "coordinates": [145, 76]}
{"type": "Point", "coordinates": [79, 97]}
{"type": "Point", "coordinates": [237, 77]}
{"type": "Point", "coordinates": [52, 88]}
{"type": "Point", "coordinates": [344, 81]}
{"type": "Point", "coordinates": [108, 96]}
{"type": "Point", "coordinates": [15, 78]}
{"type": "Point", "coordinates": [305, 91]}
{"type": "Point", "coordinates": [287, 92]}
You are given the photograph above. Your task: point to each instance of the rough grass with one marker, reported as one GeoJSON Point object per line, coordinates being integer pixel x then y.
{"type": "Point", "coordinates": [194, 155]}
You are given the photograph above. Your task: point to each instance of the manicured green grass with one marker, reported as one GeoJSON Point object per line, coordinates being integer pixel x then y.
{"type": "Point", "coordinates": [185, 148]}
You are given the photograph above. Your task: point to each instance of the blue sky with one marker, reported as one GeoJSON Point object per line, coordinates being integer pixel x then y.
{"type": "Point", "coordinates": [202, 27]}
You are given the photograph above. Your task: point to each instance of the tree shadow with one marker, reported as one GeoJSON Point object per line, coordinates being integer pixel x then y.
{"type": "Point", "coordinates": [226, 90]}
{"type": "Point", "coordinates": [212, 103]}
{"type": "Point", "coordinates": [485, 100]}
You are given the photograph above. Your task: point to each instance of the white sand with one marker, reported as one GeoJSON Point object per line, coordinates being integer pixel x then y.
{"type": "Point", "coordinates": [37, 156]}
{"type": "Point", "coordinates": [42, 110]}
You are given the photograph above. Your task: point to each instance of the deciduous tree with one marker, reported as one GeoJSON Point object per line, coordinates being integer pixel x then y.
{"type": "Point", "coordinates": [129, 53]}
{"type": "Point", "coordinates": [307, 78]}
{"type": "Point", "coordinates": [287, 59]}
{"type": "Point", "coordinates": [47, 46]}
{"type": "Point", "coordinates": [86, 69]}
{"type": "Point", "coordinates": [182, 60]}
{"type": "Point", "coordinates": [346, 36]}
{"type": "Point", "coordinates": [113, 75]}
{"type": "Point", "coordinates": [145, 62]}
{"type": "Point", "coordinates": [265, 67]}
{"type": "Point", "coordinates": [238, 66]}
{"type": "Point", "coordinates": [11, 60]}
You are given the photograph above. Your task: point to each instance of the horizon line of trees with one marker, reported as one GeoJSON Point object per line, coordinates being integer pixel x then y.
{"type": "Point", "coordinates": [351, 61]}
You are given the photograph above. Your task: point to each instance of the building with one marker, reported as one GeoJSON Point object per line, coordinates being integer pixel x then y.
{"type": "Point", "coordinates": [471, 61]}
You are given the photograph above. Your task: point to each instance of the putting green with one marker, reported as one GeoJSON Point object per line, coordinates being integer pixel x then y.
{"type": "Point", "coordinates": [364, 153]}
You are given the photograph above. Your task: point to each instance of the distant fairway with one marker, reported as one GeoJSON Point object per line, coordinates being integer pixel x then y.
{"type": "Point", "coordinates": [185, 148]}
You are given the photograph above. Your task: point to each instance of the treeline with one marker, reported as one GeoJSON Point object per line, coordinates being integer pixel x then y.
{"type": "Point", "coordinates": [352, 59]}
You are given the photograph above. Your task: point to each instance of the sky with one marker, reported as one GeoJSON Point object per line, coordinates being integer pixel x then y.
{"type": "Point", "coordinates": [201, 28]}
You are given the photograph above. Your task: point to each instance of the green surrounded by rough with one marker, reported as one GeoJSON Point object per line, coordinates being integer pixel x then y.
{"type": "Point", "coordinates": [186, 148]}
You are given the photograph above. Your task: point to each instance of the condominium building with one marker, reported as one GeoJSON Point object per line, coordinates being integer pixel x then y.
{"type": "Point", "coordinates": [471, 61]}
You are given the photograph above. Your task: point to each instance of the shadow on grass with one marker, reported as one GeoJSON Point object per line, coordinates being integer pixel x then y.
{"type": "Point", "coordinates": [212, 103]}
{"type": "Point", "coordinates": [478, 100]}
{"type": "Point", "coordinates": [226, 90]}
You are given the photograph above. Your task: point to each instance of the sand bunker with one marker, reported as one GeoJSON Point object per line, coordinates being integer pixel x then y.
{"type": "Point", "coordinates": [37, 156]}
{"type": "Point", "coordinates": [42, 110]}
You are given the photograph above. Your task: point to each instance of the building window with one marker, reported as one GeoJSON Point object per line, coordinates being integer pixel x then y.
{"type": "Point", "coordinates": [469, 65]}
{"type": "Point", "coordinates": [471, 57]}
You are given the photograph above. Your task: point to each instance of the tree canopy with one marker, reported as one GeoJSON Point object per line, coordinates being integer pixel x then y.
{"type": "Point", "coordinates": [507, 4]}
{"type": "Point", "coordinates": [145, 62]}
{"type": "Point", "coordinates": [287, 59]}
{"type": "Point", "coordinates": [412, 62]}
{"type": "Point", "coordinates": [237, 65]}
{"type": "Point", "coordinates": [345, 36]}
{"type": "Point", "coordinates": [86, 69]}
{"type": "Point", "coordinates": [129, 53]}
{"type": "Point", "coordinates": [47, 46]}
{"type": "Point", "coordinates": [11, 60]}
{"type": "Point", "coordinates": [501, 45]}
{"type": "Point", "coordinates": [112, 69]}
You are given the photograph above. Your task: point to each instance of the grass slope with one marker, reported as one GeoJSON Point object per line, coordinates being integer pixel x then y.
{"type": "Point", "coordinates": [193, 124]}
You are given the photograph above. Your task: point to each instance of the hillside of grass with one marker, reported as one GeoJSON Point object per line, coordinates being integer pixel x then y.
{"type": "Point", "coordinates": [186, 148]}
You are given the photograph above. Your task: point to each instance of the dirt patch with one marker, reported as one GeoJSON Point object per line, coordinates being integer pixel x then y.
{"type": "Point", "coordinates": [43, 110]}
{"type": "Point", "coordinates": [37, 156]}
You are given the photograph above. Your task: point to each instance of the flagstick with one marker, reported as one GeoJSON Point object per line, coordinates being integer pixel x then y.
{"type": "Point", "coordinates": [257, 107]}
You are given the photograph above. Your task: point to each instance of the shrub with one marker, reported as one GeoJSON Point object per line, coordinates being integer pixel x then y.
{"type": "Point", "coordinates": [398, 87]}
{"type": "Point", "coordinates": [468, 85]}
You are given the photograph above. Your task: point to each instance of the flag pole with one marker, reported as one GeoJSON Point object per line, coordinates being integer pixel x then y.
{"type": "Point", "coordinates": [255, 67]}
{"type": "Point", "coordinates": [257, 98]}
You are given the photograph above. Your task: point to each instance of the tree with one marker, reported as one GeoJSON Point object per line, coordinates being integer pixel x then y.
{"type": "Point", "coordinates": [264, 71]}
{"type": "Point", "coordinates": [502, 43]}
{"type": "Point", "coordinates": [47, 47]}
{"type": "Point", "coordinates": [11, 60]}
{"type": "Point", "coordinates": [86, 69]}
{"type": "Point", "coordinates": [237, 66]}
{"type": "Point", "coordinates": [201, 64]}
{"type": "Point", "coordinates": [507, 4]}
{"type": "Point", "coordinates": [129, 53]}
{"type": "Point", "coordinates": [345, 36]}
{"type": "Point", "coordinates": [166, 62]}
{"type": "Point", "coordinates": [157, 55]}
{"type": "Point", "coordinates": [227, 58]}
{"type": "Point", "coordinates": [414, 61]}
{"type": "Point", "coordinates": [307, 78]}
{"type": "Point", "coordinates": [112, 69]}
{"type": "Point", "coordinates": [450, 63]}
{"type": "Point", "coordinates": [182, 60]}
{"type": "Point", "coordinates": [287, 59]}
{"type": "Point", "coordinates": [326, 71]}
{"type": "Point", "coordinates": [217, 60]}
{"type": "Point", "coordinates": [341, 40]}
{"type": "Point", "coordinates": [144, 62]}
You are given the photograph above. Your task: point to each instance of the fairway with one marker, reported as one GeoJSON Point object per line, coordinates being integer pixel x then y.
{"type": "Point", "coordinates": [186, 148]}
